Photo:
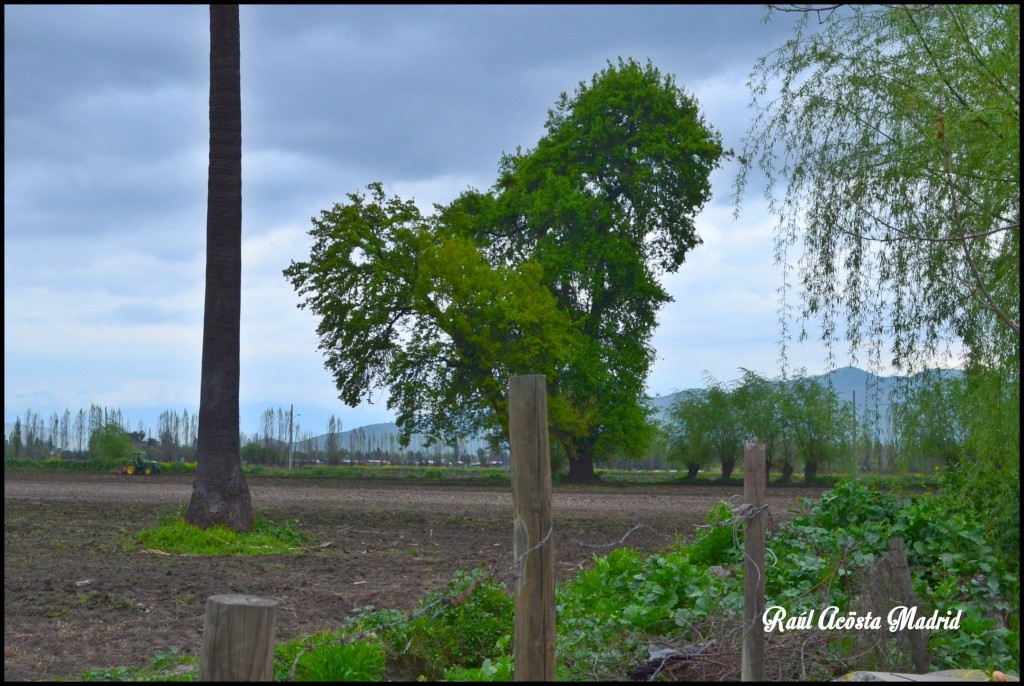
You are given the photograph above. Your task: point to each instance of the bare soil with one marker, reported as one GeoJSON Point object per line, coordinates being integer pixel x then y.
{"type": "Point", "coordinates": [78, 594]}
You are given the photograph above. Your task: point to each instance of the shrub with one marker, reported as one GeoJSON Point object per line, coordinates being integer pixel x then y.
{"type": "Point", "coordinates": [334, 661]}
{"type": "Point", "coordinates": [470, 620]}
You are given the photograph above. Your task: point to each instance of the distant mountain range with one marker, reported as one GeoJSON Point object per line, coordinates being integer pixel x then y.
{"type": "Point", "coordinates": [379, 435]}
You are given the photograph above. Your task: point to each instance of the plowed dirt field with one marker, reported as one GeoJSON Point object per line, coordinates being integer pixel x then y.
{"type": "Point", "coordinates": [78, 595]}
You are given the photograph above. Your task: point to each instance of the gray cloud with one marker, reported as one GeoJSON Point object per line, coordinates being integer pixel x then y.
{"type": "Point", "coordinates": [105, 126]}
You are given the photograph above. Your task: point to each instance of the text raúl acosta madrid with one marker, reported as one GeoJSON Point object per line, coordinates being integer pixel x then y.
{"type": "Point", "coordinates": [830, 619]}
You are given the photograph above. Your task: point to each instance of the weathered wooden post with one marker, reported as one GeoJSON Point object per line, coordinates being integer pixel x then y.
{"type": "Point", "coordinates": [752, 665]}
{"type": "Point", "coordinates": [884, 585]}
{"type": "Point", "coordinates": [238, 639]}
{"type": "Point", "coordinates": [534, 651]}
{"type": "Point", "coordinates": [905, 585]}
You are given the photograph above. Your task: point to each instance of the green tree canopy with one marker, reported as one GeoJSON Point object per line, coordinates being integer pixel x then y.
{"type": "Point", "coordinates": [554, 270]}
{"type": "Point", "coordinates": [929, 423]}
{"type": "Point", "coordinates": [818, 424]}
{"type": "Point", "coordinates": [758, 403]}
{"type": "Point", "coordinates": [14, 442]}
{"type": "Point", "coordinates": [409, 305]}
{"type": "Point", "coordinates": [725, 429]}
{"type": "Point", "coordinates": [110, 444]}
{"type": "Point", "coordinates": [689, 428]}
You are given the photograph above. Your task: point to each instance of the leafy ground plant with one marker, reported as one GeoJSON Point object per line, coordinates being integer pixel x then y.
{"type": "Point", "coordinates": [463, 624]}
{"type": "Point", "coordinates": [952, 568]}
{"type": "Point", "coordinates": [334, 660]}
{"type": "Point", "coordinates": [167, 666]}
{"type": "Point", "coordinates": [462, 630]}
{"type": "Point", "coordinates": [610, 613]}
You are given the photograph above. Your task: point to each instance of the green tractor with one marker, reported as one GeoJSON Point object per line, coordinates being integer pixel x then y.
{"type": "Point", "coordinates": [140, 465]}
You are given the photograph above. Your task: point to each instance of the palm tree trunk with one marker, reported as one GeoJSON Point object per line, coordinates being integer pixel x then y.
{"type": "Point", "coordinates": [220, 494]}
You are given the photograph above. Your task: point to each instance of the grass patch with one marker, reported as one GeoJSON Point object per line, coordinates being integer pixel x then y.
{"type": "Point", "coordinates": [170, 666]}
{"type": "Point", "coordinates": [174, 535]}
{"type": "Point", "coordinates": [462, 631]}
{"type": "Point", "coordinates": [488, 476]}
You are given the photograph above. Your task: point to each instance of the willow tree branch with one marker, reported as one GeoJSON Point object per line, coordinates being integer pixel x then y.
{"type": "Point", "coordinates": [958, 225]}
{"type": "Point", "coordinates": [905, 235]}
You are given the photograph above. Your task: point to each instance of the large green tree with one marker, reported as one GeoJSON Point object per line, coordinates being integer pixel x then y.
{"type": "Point", "coordinates": [606, 202]}
{"type": "Point", "coordinates": [220, 494]}
{"type": "Point", "coordinates": [758, 404]}
{"type": "Point", "coordinates": [818, 425]}
{"type": "Point", "coordinates": [689, 426]}
{"type": "Point", "coordinates": [407, 304]}
{"type": "Point", "coordinates": [110, 444]}
{"type": "Point", "coordinates": [928, 423]}
{"type": "Point", "coordinates": [726, 429]}
{"type": "Point", "coordinates": [553, 270]}
{"type": "Point", "coordinates": [889, 139]}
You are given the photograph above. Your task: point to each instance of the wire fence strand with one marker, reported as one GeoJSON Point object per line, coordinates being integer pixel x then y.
{"type": "Point", "coordinates": [742, 513]}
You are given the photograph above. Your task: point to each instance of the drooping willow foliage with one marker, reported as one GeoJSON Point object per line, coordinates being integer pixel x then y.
{"type": "Point", "coordinates": [888, 140]}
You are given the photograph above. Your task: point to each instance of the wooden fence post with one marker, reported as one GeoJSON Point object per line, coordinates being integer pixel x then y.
{"type": "Point", "coordinates": [238, 639]}
{"type": "Point", "coordinates": [884, 585]}
{"type": "Point", "coordinates": [901, 578]}
{"type": "Point", "coordinates": [534, 649]}
{"type": "Point", "coordinates": [752, 665]}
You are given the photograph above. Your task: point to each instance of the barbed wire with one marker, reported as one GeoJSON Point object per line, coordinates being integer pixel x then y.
{"type": "Point", "coordinates": [518, 563]}
{"type": "Point", "coordinates": [743, 512]}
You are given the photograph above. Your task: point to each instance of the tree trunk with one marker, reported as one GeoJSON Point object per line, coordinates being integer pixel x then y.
{"type": "Point", "coordinates": [220, 494]}
{"type": "Point", "coordinates": [727, 466]}
{"type": "Point", "coordinates": [810, 473]}
{"type": "Point", "coordinates": [581, 471]}
{"type": "Point", "coordinates": [691, 471]}
{"type": "Point", "coordinates": [581, 461]}
{"type": "Point", "coordinates": [787, 472]}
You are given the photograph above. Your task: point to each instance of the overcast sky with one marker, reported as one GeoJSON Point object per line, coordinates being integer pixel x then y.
{"type": "Point", "coordinates": [105, 169]}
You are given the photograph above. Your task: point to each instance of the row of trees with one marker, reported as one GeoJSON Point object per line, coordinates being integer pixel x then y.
{"type": "Point", "coordinates": [278, 440]}
{"type": "Point", "coordinates": [71, 435]}
{"type": "Point", "coordinates": [373, 450]}
{"type": "Point", "coordinates": [104, 434]}
{"type": "Point", "coordinates": [66, 435]}
{"type": "Point", "coordinates": [804, 423]}
{"type": "Point", "coordinates": [800, 421]}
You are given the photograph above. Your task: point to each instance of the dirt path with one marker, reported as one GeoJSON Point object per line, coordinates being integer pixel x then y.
{"type": "Point", "coordinates": [78, 594]}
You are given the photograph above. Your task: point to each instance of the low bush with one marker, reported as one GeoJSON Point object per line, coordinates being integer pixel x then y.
{"type": "Point", "coordinates": [329, 657]}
